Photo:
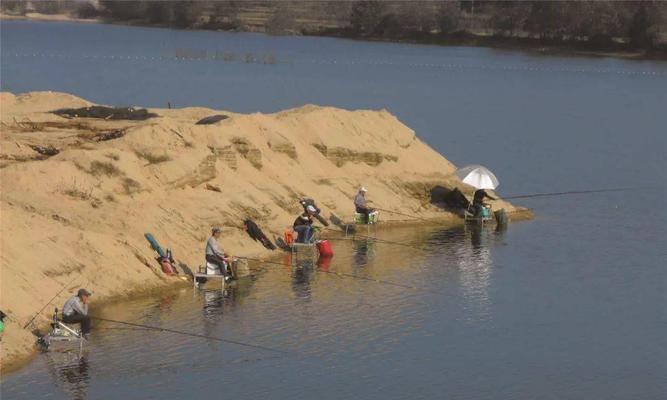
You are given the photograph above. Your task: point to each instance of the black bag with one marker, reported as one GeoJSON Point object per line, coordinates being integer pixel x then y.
{"type": "Point", "coordinates": [455, 199]}
{"type": "Point", "coordinates": [257, 235]}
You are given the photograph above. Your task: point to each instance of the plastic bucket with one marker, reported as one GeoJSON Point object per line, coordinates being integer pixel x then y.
{"type": "Point", "coordinates": [324, 262]}
{"type": "Point", "coordinates": [289, 236]}
{"type": "Point", "coordinates": [324, 247]}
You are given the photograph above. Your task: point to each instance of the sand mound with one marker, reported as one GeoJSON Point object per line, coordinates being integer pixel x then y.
{"type": "Point", "coordinates": [78, 217]}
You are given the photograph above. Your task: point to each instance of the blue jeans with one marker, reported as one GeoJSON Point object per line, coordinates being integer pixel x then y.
{"type": "Point", "coordinates": [304, 233]}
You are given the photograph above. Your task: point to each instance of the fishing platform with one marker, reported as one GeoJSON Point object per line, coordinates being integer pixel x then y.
{"type": "Point", "coordinates": [308, 249]}
{"type": "Point", "coordinates": [210, 271]}
{"type": "Point", "coordinates": [61, 336]}
{"type": "Point", "coordinates": [360, 220]}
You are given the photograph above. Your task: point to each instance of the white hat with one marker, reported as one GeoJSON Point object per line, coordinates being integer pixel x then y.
{"type": "Point", "coordinates": [311, 209]}
{"type": "Point", "coordinates": [363, 189]}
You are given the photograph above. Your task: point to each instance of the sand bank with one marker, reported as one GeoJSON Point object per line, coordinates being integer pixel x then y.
{"type": "Point", "coordinates": [77, 218]}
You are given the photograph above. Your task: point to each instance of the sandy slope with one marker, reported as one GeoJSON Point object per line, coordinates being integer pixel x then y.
{"type": "Point", "coordinates": [79, 217]}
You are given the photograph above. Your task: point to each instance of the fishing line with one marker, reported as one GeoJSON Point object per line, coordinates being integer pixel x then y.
{"type": "Point", "coordinates": [526, 196]}
{"type": "Point", "coordinates": [375, 239]}
{"type": "Point", "coordinates": [403, 214]}
{"type": "Point", "coordinates": [380, 241]}
{"type": "Point", "coordinates": [340, 274]}
{"type": "Point", "coordinates": [159, 329]}
{"type": "Point", "coordinates": [53, 298]}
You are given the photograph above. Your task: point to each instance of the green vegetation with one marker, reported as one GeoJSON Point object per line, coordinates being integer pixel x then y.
{"type": "Point", "coordinates": [592, 25]}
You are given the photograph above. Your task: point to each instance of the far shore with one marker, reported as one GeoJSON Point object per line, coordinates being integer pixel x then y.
{"type": "Point", "coordinates": [533, 46]}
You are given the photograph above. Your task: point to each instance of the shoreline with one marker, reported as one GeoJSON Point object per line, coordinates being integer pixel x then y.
{"type": "Point", "coordinates": [518, 44]}
{"type": "Point", "coordinates": [15, 364]}
{"type": "Point", "coordinates": [88, 187]}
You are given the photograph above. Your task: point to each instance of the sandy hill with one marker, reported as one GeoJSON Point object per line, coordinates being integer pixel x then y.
{"type": "Point", "coordinates": [79, 193]}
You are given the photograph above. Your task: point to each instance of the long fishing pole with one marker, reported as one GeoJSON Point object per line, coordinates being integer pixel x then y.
{"type": "Point", "coordinates": [340, 274]}
{"type": "Point", "coordinates": [159, 329]}
{"type": "Point", "coordinates": [525, 196]}
{"type": "Point", "coordinates": [376, 240]}
{"type": "Point", "coordinates": [403, 214]}
{"type": "Point", "coordinates": [45, 305]}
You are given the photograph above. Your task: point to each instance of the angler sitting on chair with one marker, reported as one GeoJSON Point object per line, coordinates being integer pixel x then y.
{"type": "Point", "coordinates": [75, 311]}
{"type": "Point", "coordinates": [478, 201]}
{"type": "Point", "coordinates": [215, 256]}
{"type": "Point", "coordinates": [303, 225]}
{"type": "Point", "coordinates": [361, 205]}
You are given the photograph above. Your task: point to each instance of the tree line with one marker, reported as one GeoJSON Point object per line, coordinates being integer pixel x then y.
{"type": "Point", "coordinates": [595, 24]}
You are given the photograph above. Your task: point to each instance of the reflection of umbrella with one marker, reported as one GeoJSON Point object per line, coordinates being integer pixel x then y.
{"type": "Point", "coordinates": [478, 177]}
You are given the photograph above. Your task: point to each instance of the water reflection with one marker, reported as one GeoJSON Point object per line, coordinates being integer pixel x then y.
{"type": "Point", "coordinates": [469, 248]}
{"type": "Point", "coordinates": [302, 275]}
{"type": "Point", "coordinates": [364, 252]}
{"type": "Point", "coordinates": [70, 370]}
{"type": "Point", "coordinates": [324, 263]}
{"type": "Point", "coordinates": [215, 299]}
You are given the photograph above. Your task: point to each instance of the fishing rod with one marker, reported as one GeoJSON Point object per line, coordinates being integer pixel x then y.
{"type": "Point", "coordinates": [340, 274]}
{"type": "Point", "coordinates": [45, 305]}
{"type": "Point", "coordinates": [403, 214]}
{"type": "Point", "coordinates": [376, 240]}
{"type": "Point", "coordinates": [159, 329]}
{"type": "Point", "coordinates": [525, 196]}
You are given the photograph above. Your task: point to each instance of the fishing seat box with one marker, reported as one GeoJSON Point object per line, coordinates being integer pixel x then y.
{"type": "Point", "coordinates": [372, 218]}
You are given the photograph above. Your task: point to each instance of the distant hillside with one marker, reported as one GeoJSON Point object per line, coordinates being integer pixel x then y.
{"type": "Point", "coordinates": [606, 26]}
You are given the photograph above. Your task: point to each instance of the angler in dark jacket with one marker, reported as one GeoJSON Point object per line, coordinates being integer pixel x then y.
{"type": "Point", "coordinates": [303, 226]}
{"type": "Point", "coordinates": [478, 200]}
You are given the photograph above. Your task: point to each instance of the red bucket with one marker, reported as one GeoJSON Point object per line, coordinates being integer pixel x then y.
{"type": "Point", "coordinates": [324, 262]}
{"type": "Point", "coordinates": [324, 247]}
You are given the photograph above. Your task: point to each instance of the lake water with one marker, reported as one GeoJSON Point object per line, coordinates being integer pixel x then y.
{"type": "Point", "coordinates": [570, 305]}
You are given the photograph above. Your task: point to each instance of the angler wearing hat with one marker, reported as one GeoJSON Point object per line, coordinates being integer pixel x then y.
{"type": "Point", "coordinates": [361, 205]}
{"type": "Point", "coordinates": [303, 225]}
{"type": "Point", "coordinates": [214, 254]}
{"type": "Point", "coordinates": [75, 311]}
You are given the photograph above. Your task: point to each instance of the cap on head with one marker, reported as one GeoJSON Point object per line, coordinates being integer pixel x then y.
{"type": "Point", "coordinates": [215, 230]}
{"type": "Point", "coordinates": [83, 292]}
{"type": "Point", "coordinates": [363, 189]}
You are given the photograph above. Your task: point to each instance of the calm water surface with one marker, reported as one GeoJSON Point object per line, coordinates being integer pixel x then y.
{"type": "Point", "coordinates": [570, 305]}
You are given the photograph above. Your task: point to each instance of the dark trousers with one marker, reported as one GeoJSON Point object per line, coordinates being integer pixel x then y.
{"type": "Point", "coordinates": [304, 233]}
{"type": "Point", "coordinates": [219, 262]}
{"type": "Point", "coordinates": [365, 211]}
{"type": "Point", "coordinates": [77, 318]}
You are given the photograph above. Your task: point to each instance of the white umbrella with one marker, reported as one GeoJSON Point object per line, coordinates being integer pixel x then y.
{"type": "Point", "coordinates": [478, 176]}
